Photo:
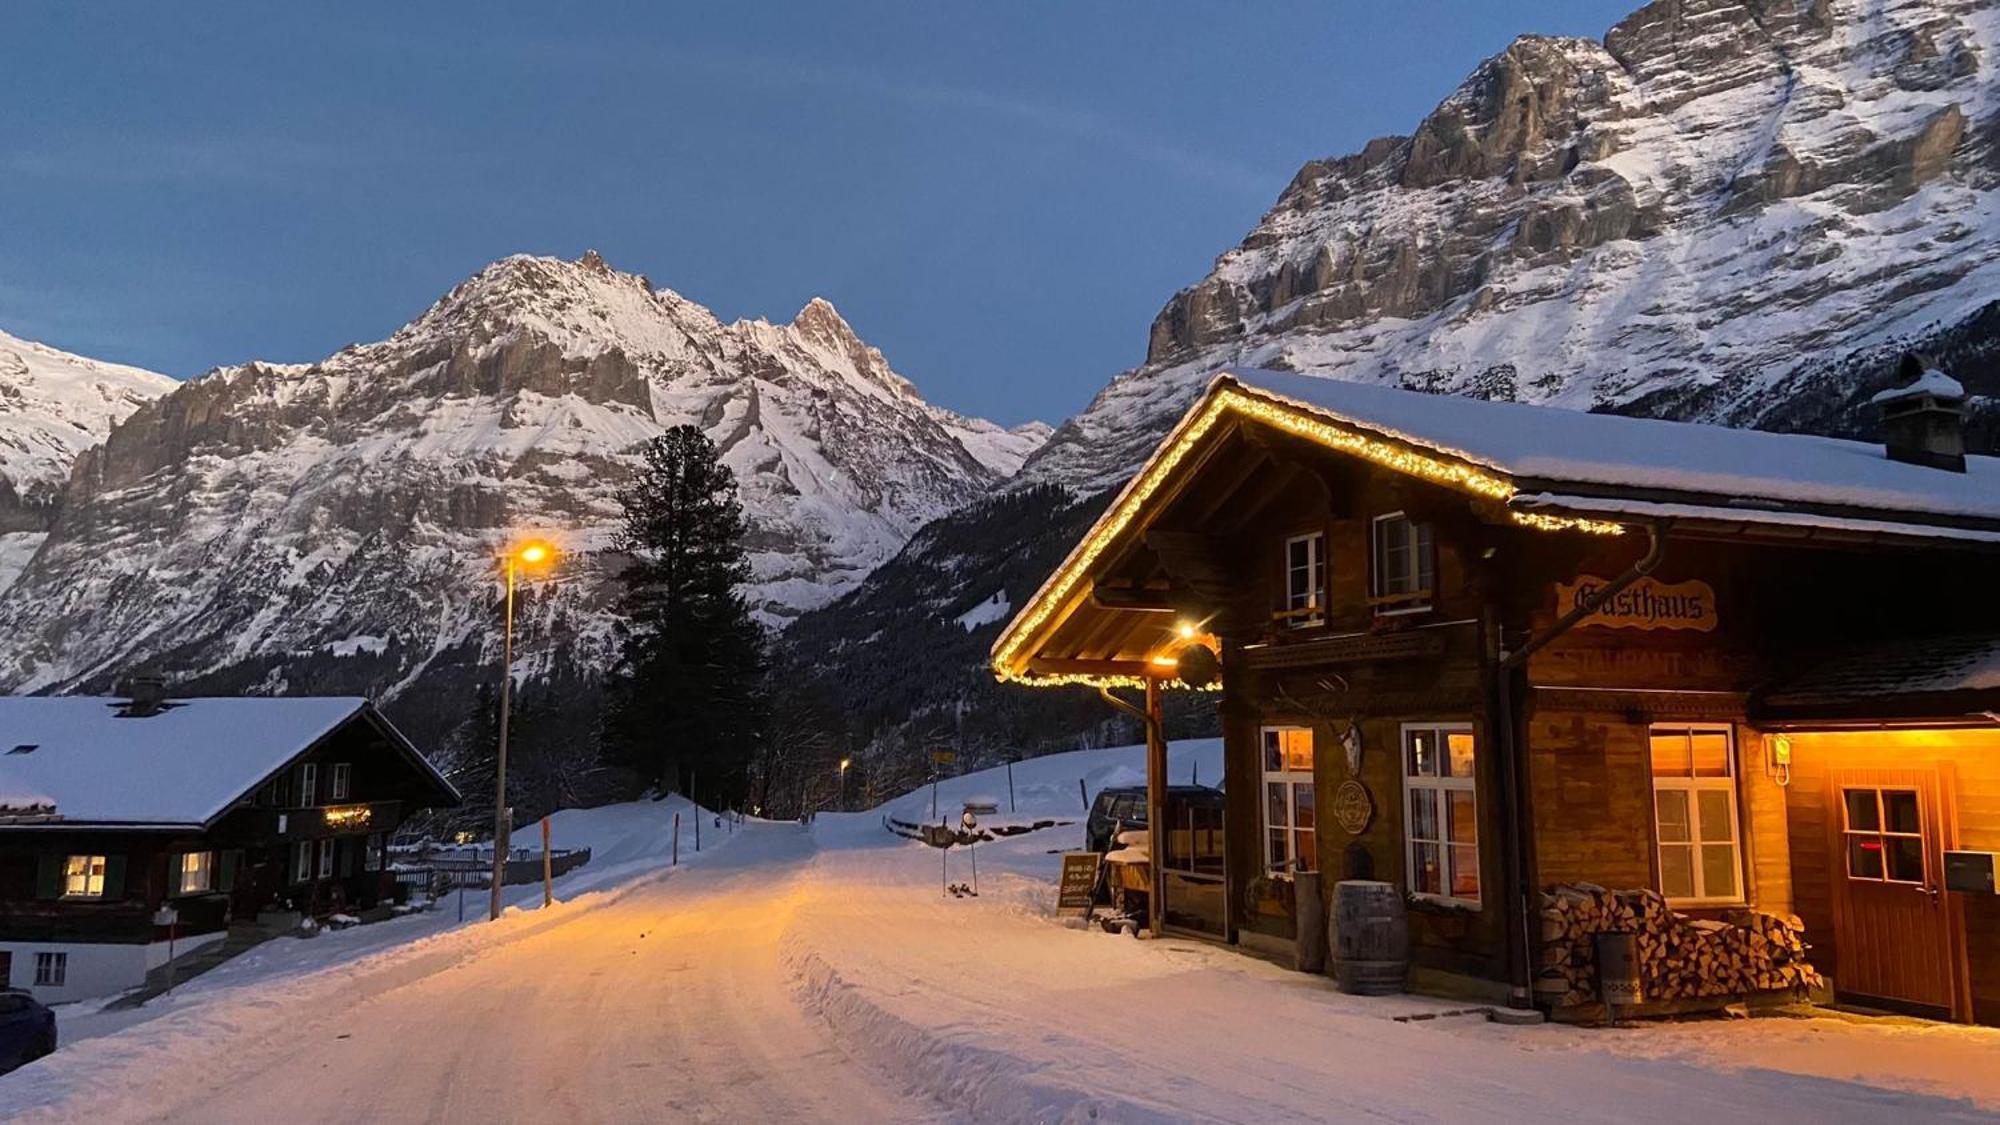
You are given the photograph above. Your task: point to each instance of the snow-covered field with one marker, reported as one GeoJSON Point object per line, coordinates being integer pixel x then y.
{"type": "Point", "coordinates": [819, 973]}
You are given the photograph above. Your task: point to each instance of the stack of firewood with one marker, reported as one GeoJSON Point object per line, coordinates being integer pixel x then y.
{"type": "Point", "coordinates": [1679, 958]}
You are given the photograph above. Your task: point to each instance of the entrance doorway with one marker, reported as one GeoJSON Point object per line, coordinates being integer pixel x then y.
{"type": "Point", "coordinates": [1195, 868]}
{"type": "Point", "coordinates": [1895, 929]}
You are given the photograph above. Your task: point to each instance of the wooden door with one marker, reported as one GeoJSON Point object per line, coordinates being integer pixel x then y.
{"type": "Point", "coordinates": [1893, 923]}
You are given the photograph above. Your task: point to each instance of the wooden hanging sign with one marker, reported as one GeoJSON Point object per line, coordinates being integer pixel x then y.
{"type": "Point", "coordinates": [1645, 604]}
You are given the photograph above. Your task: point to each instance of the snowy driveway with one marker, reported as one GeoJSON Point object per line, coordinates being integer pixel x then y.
{"type": "Point", "coordinates": [794, 975]}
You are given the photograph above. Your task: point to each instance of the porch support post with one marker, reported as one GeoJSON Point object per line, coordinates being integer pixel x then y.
{"type": "Point", "coordinates": [1156, 808]}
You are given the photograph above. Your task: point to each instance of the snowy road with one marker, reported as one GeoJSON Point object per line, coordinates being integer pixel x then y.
{"type": "Point", "coordinates": [795, 975]}
{"type": "Point", "coordinates": [669, 1004]}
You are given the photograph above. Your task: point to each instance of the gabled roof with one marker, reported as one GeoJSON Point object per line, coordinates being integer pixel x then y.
{"type": "Point", "coordinates": [1552, 454]}
{"type": "Point", "coordinates": [1543, 467]}
{"type": "Point", "coordinates": [184, 766]}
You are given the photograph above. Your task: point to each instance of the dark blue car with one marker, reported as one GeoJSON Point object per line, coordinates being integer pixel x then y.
{"type": "Point", "coordinates": [27, 1029]}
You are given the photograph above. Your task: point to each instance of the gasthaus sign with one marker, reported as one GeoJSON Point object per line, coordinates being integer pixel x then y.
{"type": "Point", "coordinates": [1645, 604]}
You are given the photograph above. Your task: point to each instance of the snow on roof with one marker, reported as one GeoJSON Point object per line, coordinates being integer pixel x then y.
{"type": "Point", "coordinates": [1913, 667]}
{"type": "Point", "coordinates": [1548, 444]}
{"type": "Point", "coordinates": [182, 766]}
{"type": "Point", "coordinates": [1933, 382]}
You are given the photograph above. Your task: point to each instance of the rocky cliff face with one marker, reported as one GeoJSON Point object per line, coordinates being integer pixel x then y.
{"type": "Point", "coordinates": [333, 526]}
{"type": "Point", "coordinates": [1728, 210]}
{"type": "Point", "coordinates": [53, 406]}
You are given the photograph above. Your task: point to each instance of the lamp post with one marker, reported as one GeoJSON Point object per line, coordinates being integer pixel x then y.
{"type": "Point", "coordinates": [534, 553]}
{"type": "Point", "coordinates": [840, 784]}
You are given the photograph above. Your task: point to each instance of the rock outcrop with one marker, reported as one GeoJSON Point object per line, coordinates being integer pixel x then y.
{"type": "Point", "coordinates": [1728, 210]}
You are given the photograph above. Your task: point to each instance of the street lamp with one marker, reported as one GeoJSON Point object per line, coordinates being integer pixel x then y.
{"type": "Point", "coordinates": [840, 784]}
{"type": "Point", "coordinates": [531, 554]}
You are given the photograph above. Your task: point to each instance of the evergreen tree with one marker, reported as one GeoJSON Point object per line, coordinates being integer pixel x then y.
{"type": "Point", "coordinates": [683, 700]}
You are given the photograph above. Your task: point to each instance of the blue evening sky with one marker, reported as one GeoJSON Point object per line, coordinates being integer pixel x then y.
{"type": "Point", "coordinates": [999, 195]}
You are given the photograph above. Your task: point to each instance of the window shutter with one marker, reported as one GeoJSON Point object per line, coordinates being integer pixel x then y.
{"type": "Point", "coordinates": [49, 876]}
{"type": "Point", "coordinates": [114, 876]}
{"type": "Point", "coordinates": [225, 870]}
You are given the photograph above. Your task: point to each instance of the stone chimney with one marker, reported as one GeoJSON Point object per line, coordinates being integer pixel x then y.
{"type": "Point", "coordinates": [145, 695]}
{"type": "Point", "coordinates": [1923, 416]}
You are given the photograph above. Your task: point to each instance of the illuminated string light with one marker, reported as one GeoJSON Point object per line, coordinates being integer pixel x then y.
{"type": "Point", "coordinates": [1223, 399]}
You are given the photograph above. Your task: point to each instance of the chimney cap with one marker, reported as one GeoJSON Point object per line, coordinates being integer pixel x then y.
{"type": "Point", "coordinates": [1916, 377]}
{"type": "Point", "coordinates": [145, 695]}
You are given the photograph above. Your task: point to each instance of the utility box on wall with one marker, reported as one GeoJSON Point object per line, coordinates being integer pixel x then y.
{"type": "Point", "coordinates": [1970, 872]}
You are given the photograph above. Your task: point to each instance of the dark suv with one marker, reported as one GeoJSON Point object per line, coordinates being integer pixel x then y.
{"type": "Point", "coordinates": [1124, 807]}
{"type": "Point", "coordinates": [27, 1029]}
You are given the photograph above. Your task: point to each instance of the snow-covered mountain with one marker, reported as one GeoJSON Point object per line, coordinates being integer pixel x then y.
{"type": "Point", "coordinates": [1727, 210]}
{"type": "Point", "coordinates": [53, 406]}
{"type": "Point", "coordinates": [334, 525]}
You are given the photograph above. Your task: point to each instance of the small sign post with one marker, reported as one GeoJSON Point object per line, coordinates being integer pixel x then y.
{"type": "Point", "coordinates": [938, 758]}
{"type": "Point", "coordinates": [1079, 880]}
{"type": "Point", "coordinates": [170, 918]}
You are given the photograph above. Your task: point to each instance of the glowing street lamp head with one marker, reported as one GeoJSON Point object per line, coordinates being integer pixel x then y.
{"type": "Point", "coordinates": [534, 552]}
{"type": "Point", "coordinates": [844, 764]}
{"type": "Point", "coordinates": [1186, 630]}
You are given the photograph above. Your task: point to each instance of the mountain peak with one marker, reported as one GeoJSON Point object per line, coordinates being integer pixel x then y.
{"type": "Point", "coordinates": [821, 321]}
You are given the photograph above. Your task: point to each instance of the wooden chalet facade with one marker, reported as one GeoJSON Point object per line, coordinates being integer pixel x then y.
{"type": "Point", "coordinates": [1786, 703]}
{"type": "Point", "coordinates": [218, 810]}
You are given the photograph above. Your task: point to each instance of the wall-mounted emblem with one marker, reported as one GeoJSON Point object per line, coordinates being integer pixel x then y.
{"type": "Point", "coordinates": [1645, 604]}
{"type": "Point", "coordinates": [1353, 808]}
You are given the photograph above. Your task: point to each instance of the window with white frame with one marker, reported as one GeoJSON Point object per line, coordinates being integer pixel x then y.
{"type": "Point", "coordinates": [1694, 813]}
{"type": "Point", "coordinates": [1441, 811]}
{"type": "Point", "coordinates": [342, 779]}
{"type": "Point", "coordinates": [309, 784]}
{"type": "Point", "coordinates": [1305, 580]}
{"type": "Point", "coordinates": [1288, 800]}
{"type": "Point", "coordinates": [326, 859]}
{"type": "Point", "coordinates": [1403, 575]}
{"type": "Point", "coordinates": [372, 859]}
{"type": "Point", "coordinates": [51, 970]}
{"type": "Point", "coordinates": [302, 861]}
{"type": "Point", "coordinates": [196, 873]}
{"type": "Point", "coordinates": [83, 876]}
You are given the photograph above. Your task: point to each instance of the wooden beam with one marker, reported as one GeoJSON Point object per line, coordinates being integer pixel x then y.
{"type": "Point", "coordinates": [1134, 599]}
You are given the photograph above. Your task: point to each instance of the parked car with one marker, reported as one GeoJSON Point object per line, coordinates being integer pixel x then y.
{"type": "Point", "coordinates": [1123, 807]}
{"type": "Point", "coordinates": [27, 1029]}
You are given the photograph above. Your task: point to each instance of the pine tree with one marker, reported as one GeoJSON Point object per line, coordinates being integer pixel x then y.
{"type": "Point", "coordinates": [683, 700]}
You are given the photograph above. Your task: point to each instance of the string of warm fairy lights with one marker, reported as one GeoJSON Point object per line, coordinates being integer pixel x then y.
{"type": "Point", "coordinates": [1224, 399]}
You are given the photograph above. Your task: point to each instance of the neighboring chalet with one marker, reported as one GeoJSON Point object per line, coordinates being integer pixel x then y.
{"type": "Point", "coordinates": [1482, 650]}
{"type": "Point", "coordinates": [220, 809]}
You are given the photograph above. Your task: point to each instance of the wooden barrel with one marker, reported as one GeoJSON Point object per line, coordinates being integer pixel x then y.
{"type": "Point", "coordinates": [1371, 937]}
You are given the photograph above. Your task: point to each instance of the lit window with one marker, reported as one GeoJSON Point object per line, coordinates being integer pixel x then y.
{"type": "Point", "coordinates": [197, 872]}
{"type": "Point", "coordinates": [1884, 835]}
{"type": "Point", "coordinates": [302, 861]}
{"type": "Point", "coordinates": [309, 784]}
{"type": "Point", "coordinates": [51, 970]}
{"type": "Point", "coordinates": [1305, 580]}
{"type": "Point", "coordinates": [83, 876]}
{"type": "Point", "coordinates": [1288, 800]}
{"type": "Point", "coordinates": [341, 773]}
{"type": "Point", "coordinates": [1441, 811]}
{"type": "Point", "coordinates": [1404, 574]}
{"type": "Point", "coordinates": [1694, 814]}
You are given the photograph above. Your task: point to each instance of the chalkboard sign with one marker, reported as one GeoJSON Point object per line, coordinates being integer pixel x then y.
{"type": "Point", "coordinates": [1079, 877]}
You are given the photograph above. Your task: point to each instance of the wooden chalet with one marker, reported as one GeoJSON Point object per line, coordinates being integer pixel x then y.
{"type": "Point", "coordinates": [132, 825]}
{"type": "Point", "coordinates": [1490, 652]}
